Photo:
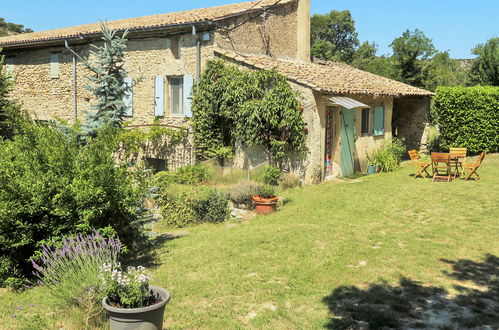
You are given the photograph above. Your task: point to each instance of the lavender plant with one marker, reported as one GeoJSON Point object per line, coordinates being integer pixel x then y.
{"type": "Point", "coordinates": [71, 271]}
{"type": "Point", "coordinates": [128, 289]}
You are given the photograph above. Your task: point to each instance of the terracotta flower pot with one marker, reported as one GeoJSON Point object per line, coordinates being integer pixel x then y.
{"type": "Point", "coordinates": [265, 205]}
{"type": "Point", "coordinates": [144, 318]}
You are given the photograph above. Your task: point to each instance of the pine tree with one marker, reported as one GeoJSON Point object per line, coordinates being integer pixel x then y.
{"type": "Point", "coordinates": [107, 82]}
{"type": "Point", "coordinates": [9, 111]}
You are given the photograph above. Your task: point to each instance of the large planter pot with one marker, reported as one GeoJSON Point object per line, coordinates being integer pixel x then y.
{"type": "Point", "coordinates": [143, 318]}
{"type": "Point", "coordinates": [265, 205]}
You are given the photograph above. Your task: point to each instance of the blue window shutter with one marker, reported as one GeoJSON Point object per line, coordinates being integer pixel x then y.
{"type": "Point", "coordinates": [379, 120]}
{"type": "Point", "coordinates": [159, 96]}
{"type": "Point", "coordinates": [9, 64]}
{"type": "Point", "coordinates": [129, 97]}
{"type": "Point", "coordinates": [54, 65]}
{"type": "Point", "coordinates": [187, 90]}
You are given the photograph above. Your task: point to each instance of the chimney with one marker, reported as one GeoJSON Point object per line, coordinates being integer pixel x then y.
{"type": "Point", "coordinates": [303, 31]}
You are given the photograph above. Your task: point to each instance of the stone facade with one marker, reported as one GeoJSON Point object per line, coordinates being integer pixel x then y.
{"type": "Point", "coordinates": [167, 54]}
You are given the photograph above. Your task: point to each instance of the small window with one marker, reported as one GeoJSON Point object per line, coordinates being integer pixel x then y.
{"type": "Point", "coordinates": [176, 95]}
{"type": "Point", "coordinates": [365, 121]}
{"type": "Point", "coordinates": [9, 65]}
{"type": "Point", "coordinates": [128, 99]}
{"type": "Point", "coordinates": [54, 65]}
{"type": "Point", "coordinates": [175, 47]}
{"type": "Point", "coordinates": [156, 164]}
{"type": "Point", "coordinates": [379, 120]}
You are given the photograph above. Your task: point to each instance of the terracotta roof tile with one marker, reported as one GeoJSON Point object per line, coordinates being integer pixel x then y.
{"type": "Point", "coordinates": [145, 22]}
{"type": "Point", "coordinates": [329, 77]}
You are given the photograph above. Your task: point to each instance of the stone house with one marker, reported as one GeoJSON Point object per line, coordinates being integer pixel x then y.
{"type": "Point", "coordinates": [168, 51]}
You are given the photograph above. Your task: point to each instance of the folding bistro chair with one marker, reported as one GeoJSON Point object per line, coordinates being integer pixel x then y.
{"type": "Point", "coordinates": [471, 168]}
{"type": "Point", "coordinates": [440, 165]}
{"type": "Point", "coordinates": [421, 167]}
{"type": "Point", "coordinates": [458, 158]}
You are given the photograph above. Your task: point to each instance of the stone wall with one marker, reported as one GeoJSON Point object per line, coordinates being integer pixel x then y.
{"type": "Point", "coordinates": [52, 98]}
{"type": "Point", "coordinates": [410, 120]}
{"type": "Point", "coordinates": [272, 33]}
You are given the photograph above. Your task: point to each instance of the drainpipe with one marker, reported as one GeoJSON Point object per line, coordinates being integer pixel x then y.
{"type": "Point", "coordinates": [198, 54]}
{"type": "Point", "coordinates": [75, 102]}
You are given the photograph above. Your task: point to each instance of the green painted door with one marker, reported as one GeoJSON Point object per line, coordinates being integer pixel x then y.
{"type": "Point", "coordinates": [347, 147]}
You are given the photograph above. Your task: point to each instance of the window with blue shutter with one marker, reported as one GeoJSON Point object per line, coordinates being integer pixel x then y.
{"type": "Point", "coordinates": [9, 64]}
{"type": "Point", "coordinates": [54, 65]}
{"type": "Point", "coordinates": [379, 120]}
{"type": "Point", "coordinates": [187, 90]}
{"type": "Point", "coordinates": [128, 97]}
{"type": "Point", "coordinates": [176, 96]}
{"type": "Point", "coordinates": [159, 96]}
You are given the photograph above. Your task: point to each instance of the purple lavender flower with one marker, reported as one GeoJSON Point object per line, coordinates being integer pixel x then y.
{"type": "Point", "coordinates": [80, 250]}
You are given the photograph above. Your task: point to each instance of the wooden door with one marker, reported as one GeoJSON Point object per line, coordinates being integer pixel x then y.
{"type": "Point", "coordinates": [347, 146]}
{"type": "Point", "coordinates": [328, 157]}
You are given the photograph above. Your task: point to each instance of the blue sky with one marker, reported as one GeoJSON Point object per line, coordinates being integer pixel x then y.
{"type": "Point", "coordinates": [454, 25]}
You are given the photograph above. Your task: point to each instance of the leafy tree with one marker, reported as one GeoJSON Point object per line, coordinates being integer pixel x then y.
{"type": "Point", "coordinates": [441, 70]}
{"type": "Point", "coordinates": [485, 68]}
{"type": "Point", "coordinates": [334, 37]}
{"type": "Point", "coordinates": [7, 28]}
{"type": "Point", "coordinates": [107, 82]}
{"type": "Point", "coordinates": [365, 59]}
{"type": "Point", "coordinates": [410, 51]}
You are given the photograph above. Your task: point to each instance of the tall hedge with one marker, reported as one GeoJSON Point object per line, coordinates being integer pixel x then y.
{"type": "Point", "coordinates": [468, 117]}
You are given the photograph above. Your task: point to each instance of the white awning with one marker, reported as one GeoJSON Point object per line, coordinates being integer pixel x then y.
{"type": "Point", "coordinates": [347, 102]}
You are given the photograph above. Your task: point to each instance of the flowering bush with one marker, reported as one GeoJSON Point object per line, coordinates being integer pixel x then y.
{"type": "Point", "coordinates": [71, 271]}
{"type": "Point", "coordinates": [128, 289]}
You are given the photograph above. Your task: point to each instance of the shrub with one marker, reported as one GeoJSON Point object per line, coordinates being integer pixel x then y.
{"type": "Point", "coordinates": [271, 175]}
{"type": "Point", "coordinates": [186, 205]}
{"type": "Point", "coordinates": [212, 207]}
{"type": "Point", "coordinates": [266, 191]}
{"type": "Point", "coordinates": [434, 137]}
{"type": "Point", "coordinates": [71, 271]}
{"type": "Point", "coordinates": [242, 192]}
{"type": "Point", "coordinates": [389, 155]}
{"type": "Point", "coordinates": [52, 187]}
{"type": "Point", "coordinates": [189, 174]}
{"type": "Point", "coordinates": [175, 202]}
{"type": "Point", "coordinates": [289, 181]}
{"type": "Point", "coordinates": [468, 117]}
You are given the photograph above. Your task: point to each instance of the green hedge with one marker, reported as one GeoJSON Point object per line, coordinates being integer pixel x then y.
{"type": "Point", "coordinates": [468, 117]}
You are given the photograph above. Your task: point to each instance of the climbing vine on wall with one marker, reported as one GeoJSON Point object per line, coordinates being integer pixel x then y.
{"type": "Point", "coordinates": [257, 108]}
{"type": "Point", "coordinates": [131, 142]}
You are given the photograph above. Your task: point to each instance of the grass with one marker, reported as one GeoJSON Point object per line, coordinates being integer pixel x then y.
{"type": "Point", "coordinates": [337, 255]}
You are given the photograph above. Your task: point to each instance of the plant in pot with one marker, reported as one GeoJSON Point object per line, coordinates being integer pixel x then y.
{"type": "Point", "coordinates": [130, 301]}
{"type": "Point", "coordinates": [266, 200]}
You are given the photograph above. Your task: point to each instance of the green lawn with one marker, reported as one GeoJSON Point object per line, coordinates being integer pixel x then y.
{"type": "Point", "coordinates": [386, 249]}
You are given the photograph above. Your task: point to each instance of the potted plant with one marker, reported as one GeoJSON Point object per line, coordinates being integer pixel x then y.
{"type": "Point", "coordinates": [130, 301]}
{"type": "Point", "coordinates": [266, 200]}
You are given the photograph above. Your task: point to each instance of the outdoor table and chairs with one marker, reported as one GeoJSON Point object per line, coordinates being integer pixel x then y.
{"type": "Point", "coordinates": [447, 165]}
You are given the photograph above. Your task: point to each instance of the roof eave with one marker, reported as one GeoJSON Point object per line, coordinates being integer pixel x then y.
{"type": "Point", "coordinates": [95, 35]}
